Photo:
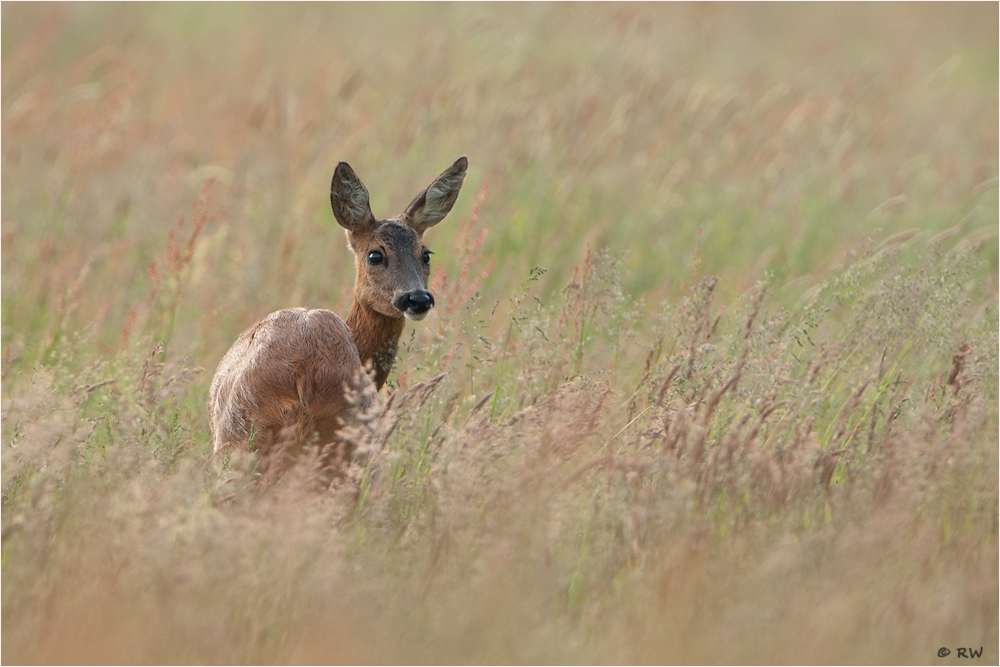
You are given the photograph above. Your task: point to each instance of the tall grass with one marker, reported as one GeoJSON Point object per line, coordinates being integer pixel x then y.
{"type": "Point", "coordinates": [712, 376]}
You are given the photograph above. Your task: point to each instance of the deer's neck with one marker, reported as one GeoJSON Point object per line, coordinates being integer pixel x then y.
{"type": "Point", "coordinates": [377, 337]}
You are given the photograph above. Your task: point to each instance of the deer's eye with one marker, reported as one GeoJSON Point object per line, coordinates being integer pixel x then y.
{"type": "Point", "coordinates": [426, 257]}
{"type": "Point", "coordinates": [375, 257]}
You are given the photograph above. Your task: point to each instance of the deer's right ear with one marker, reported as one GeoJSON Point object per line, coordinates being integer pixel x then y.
{"type": "Point", "coordinates": [430, 206]}
{"type": "Point", "coordinates": [349, 198]}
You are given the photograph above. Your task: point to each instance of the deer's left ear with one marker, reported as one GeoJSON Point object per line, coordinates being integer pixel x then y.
{"type": "Point", "coordinates": [349, 198]}
{"type": "Point", "coordinates": [433, 204]}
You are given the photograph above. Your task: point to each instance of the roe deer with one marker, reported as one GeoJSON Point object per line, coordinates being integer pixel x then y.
{"type": "Point", "coordinates": [296, 375]}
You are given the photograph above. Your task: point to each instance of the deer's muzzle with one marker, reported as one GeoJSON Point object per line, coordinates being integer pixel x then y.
{"type": "Point", "coordinates": [415, 305]}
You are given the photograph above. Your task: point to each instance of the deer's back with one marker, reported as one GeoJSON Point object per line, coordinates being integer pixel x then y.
{"type": "Point", "coordinates": [291, 368]}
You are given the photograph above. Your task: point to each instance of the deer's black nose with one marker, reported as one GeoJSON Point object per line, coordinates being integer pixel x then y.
{"type": "Point", "coordinates": [421, 300]}
{"type": "Point", "coordinates": [415, 304]}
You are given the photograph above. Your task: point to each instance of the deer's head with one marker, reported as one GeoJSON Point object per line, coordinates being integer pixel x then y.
{"type": "Point", "coordinates": [392, 262]}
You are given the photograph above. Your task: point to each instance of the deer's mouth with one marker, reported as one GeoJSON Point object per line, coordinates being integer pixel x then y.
{"type": "Point", "coordinates": [415, 316]}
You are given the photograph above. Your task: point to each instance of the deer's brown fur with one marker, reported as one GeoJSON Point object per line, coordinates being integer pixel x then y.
{"type": "Point", "coordinates": [296, 376]}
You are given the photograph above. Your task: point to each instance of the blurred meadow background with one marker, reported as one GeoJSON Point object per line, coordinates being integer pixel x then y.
{"type": "Point", "coordinates": [717, 314]}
